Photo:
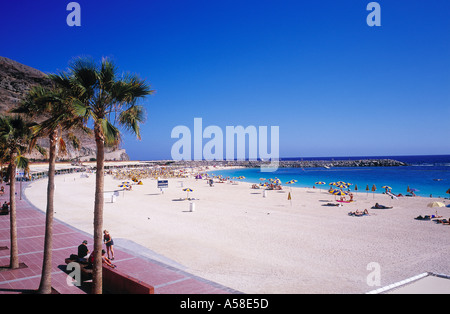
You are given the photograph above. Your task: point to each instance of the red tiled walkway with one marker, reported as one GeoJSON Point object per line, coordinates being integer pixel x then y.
{"type": "Point", "coordinates": [30, 228]}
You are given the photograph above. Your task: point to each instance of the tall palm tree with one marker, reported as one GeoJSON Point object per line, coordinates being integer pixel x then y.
{"type": "Point", "coordinates": [54, 108]}
{"type": "Point", "coordinates": [107, 99]}
{"type": "Point", "coordinates": [15, 135]}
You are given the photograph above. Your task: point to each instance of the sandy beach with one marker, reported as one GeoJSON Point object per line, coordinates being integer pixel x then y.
{"type": "Point", "coordinates": [257, 244]}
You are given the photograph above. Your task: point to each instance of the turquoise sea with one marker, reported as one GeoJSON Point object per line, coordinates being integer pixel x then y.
{"type": "Point", "coordinates": [428, 175]}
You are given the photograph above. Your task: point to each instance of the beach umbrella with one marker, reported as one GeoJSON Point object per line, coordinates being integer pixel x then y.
{"type": "Point", "coordinates": [356, 187]}
{"type": "Point", "coordinates": [374, 188]}
{"type": "Point", "coordinates": [408, 190]}
{"type": "Point", "coordinates": [320, 183]}
{"type": "Point", "coordinates": [339, 193]}
{"type": "Point", "coordinates": [387, 188]}
{"type": "Point", "coordinates": [188, 190]}
{"type": "Point", "coordinates": [448, 191]}
{"type": "Point", "coordinates": [125, 187]}
{"type": "Point", "coordinates": [436, 204]}
{"type": "Point", "coordinates": [291, 182]}
{"type": "Point", "coordinates": [331, 191]}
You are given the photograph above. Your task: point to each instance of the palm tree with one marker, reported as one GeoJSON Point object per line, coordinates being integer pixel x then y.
{"type": "Point", "coordinates": [53, 107]}
{"type": "Point", "coordinates": [15, 135]}
{"type": "Point", "coordinates": [107, 99]}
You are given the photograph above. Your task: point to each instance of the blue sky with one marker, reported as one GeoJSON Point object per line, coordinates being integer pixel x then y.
{"type": "Point", "coordinates": [333, 85]}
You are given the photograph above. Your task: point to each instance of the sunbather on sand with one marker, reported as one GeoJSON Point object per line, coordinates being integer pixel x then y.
{"type": "Point", "coordinates": [420, 217]}
{"type": "Point", "coordinates": [443, 221]}
{"type": "Point", "coordinates": [381, 206]}
{"type": "Point", "coordinates": [359, 213]}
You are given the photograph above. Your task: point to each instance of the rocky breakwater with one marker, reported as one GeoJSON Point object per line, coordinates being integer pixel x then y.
{"type": "Point", "coordinates": [341, 163]}
{"type": "Point", "coordinates": [292, 163]}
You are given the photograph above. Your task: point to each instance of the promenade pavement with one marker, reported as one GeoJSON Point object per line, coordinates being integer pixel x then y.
{"type": "Point", "coordinates": [166, 279]}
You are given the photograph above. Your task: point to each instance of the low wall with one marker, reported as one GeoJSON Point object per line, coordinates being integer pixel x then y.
{"type": "Point", "coordinates": [117, 282]}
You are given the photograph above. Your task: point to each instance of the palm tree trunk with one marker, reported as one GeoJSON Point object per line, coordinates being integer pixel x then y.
{"type": "Point", "coordinates": [45, 286]}
{"type": "Point", "coordinates": [98, 213]}
{"type": "Point", "coordinates": [14, 256]}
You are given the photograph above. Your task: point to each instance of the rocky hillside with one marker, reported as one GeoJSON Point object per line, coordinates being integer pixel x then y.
{"type": "Point", "coordinates": [15, 80]}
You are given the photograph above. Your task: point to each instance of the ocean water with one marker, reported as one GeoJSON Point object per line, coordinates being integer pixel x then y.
{"type": "Point", "coordinates": [428, 175]}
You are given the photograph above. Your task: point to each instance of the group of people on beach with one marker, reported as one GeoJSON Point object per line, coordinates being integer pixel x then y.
{"type": "Point", "coordinates": [268, 187]}
{"type": "Point", "coordinates": [436, 218]}
{"type": "Point", "coordinates": [85, 256]}
{"type": "Point", "coordinates": [146, 173]}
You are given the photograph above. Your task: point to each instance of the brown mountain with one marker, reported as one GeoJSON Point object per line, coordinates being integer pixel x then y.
{"type": "Point", "coordinates": [15, 80]}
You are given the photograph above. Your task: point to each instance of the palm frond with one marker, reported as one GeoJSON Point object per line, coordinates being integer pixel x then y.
{"type": "Point", "coordinates": [79, 109]}
{"type": "Point", "coordinates": [62, 146]}
{"type": "Point", "coordinates": [131, 88]}
{"type": "Point", "coordinates": [41, 150]}
{"type": "Point", "coordinates": [110, 133]}
{"type": "Point", "coordinates": [107, 74]}
{"type": "Point", "coordinates": [131, 118]}
{"type": "Point", "coordinates": [22, 162]}
{"type": "Point", "coordinates": [74, 140]}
